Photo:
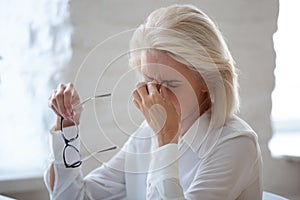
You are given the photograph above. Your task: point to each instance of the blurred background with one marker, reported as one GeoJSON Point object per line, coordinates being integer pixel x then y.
{"type": "Point", "coordinates": [46, 42]}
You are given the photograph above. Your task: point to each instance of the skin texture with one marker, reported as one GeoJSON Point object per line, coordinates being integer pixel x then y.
{"type": "Point", "coordinates": [172, 97]}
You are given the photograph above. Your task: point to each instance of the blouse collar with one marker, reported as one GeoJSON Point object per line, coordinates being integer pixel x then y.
{"type": "Point", "coordinates": [196, 134]}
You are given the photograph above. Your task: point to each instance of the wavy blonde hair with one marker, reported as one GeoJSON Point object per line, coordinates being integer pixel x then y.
{"type": "Point", "coordinates": [190, 37]}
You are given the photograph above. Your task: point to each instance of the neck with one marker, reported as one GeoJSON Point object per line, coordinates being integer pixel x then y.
{"type": "Point", "coordinates": [188, 121]}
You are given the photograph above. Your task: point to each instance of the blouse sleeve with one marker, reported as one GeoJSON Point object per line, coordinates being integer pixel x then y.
{"type": "Point", "coordinates": [106, 182]}
{"type": "Point", "coordinates": [222, 175]}
{"type": "Point", "coordinates": [163, 180]}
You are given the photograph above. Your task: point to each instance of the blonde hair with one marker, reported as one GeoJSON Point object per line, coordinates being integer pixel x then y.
{"type": "Point", "coordinates": [190, 37]}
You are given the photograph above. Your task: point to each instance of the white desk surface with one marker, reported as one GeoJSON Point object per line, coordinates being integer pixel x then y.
{"type": "Point", "coordinates": [5, 198]}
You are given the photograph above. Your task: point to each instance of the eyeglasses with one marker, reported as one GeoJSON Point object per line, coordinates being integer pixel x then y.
{"type": "Point", "coordinates": [71, 155]}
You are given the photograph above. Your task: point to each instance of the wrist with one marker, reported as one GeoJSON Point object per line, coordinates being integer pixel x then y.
{"type": "Point", "coordinates": [58, 144]}
{"type": "Point", "coordinates": [67, 123]}
{"type": "Point", "coordinates": [167, 138]}
{"type": "Point", "coordinates": [57, 124]}
{"type": "Point", "coordinates": [162, 143]}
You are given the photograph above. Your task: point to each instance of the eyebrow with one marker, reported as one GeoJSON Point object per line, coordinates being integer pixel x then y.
{"type": "Point", "coordinates": [163, 81]}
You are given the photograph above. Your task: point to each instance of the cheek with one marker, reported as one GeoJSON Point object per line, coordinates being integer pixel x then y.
{"type": "Point", "coordinates": [185, 101]}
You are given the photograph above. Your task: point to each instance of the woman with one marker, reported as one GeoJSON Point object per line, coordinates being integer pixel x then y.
{"type": "Point", "coordinates": [191, 145]}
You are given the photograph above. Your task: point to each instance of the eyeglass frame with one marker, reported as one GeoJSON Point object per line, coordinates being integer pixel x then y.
{"type": "Point", "coordinates": [67, 144]}
{"type": "Point", "coordinates": [67, 141]}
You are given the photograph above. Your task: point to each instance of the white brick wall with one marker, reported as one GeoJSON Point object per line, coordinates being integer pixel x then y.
{"type": "Point", "coordinates": [248, 27]}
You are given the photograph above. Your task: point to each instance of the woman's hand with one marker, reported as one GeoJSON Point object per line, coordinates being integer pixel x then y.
{"type": "Point", "coordinates": [61, 102]}
{"type": "Point", "coordinates": [155, 104]}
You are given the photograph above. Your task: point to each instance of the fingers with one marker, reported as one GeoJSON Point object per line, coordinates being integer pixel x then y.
{"type": "Point", "coordinates": [60, 100]}
{"type": "Point", "coordinates": [142, 89]}
{"type": "Point", "coordinates": [153, 88]}
{"type": "Point", "coordinates": [139, 93]}
{"type": "Point", "coordinates": [137, 104]}
{"type": "Point", "coordinates": [68, 94]}
{"type": "Point", "coordinates": [146, 94]}
{"type": "Point", "coordinates": [137, 100]}
{"type": "Point", "coordinates": [52, 103]}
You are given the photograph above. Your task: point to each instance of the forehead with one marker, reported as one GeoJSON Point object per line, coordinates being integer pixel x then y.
{"type": "Point", "coordinates": [157, 62]}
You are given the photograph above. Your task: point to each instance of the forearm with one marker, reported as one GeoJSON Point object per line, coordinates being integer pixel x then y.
{"type": "Point", "coordinates": [57, 170]}
{"type": "Point", "coordinates": [51, 172]}
{"type": "Point", "coordinates": [69, 183]}
{"type": "Point", "coordinates": [163, 178]}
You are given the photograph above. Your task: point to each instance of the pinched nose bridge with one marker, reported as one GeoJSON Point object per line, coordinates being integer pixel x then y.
{"type": "Point", "coordinates": [160, 84]}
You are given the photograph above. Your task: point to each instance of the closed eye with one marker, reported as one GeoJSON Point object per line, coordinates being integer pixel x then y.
{"type": "Point", "coordinates": [168, 83]}
{"type": "Point", "coordinates": [172, 83]}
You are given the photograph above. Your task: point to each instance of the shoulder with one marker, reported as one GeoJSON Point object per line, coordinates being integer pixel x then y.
{"type": "Point", "coordinates": [234, 161]}
{"type": "Point", "coordinates": [236, 141]}
{"type": "Point", "coordinates": [236, 127]}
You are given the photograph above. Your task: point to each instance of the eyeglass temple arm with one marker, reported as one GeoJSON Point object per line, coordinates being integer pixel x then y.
{"type": "Point", "coordinates": [90, 98]}
{"type": "Point", "coordinates": [94, 153]}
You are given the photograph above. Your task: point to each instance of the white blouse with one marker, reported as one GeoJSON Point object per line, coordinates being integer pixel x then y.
{"type": "Point", "coordinates": [222, 165]}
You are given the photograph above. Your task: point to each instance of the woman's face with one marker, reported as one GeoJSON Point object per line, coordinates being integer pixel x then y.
{"type": "Point", "coordinates": [186, 86]}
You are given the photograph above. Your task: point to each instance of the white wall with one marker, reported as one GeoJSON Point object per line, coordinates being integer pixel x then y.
{"type": "Point", "coordinates": [248, 27]}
